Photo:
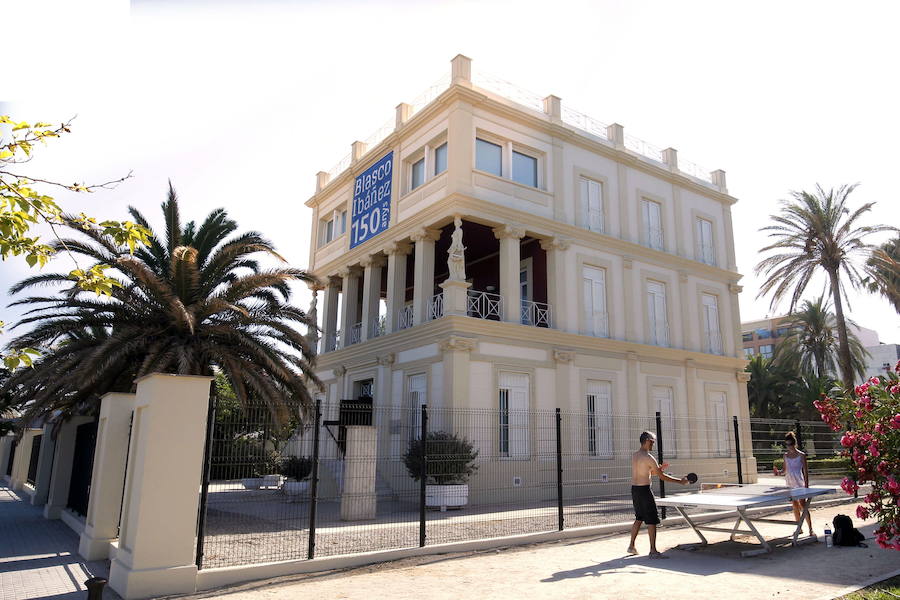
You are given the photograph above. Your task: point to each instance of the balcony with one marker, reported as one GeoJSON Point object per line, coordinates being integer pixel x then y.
{"type": "Point", "coordinates": [436, 307]}
{"type": "Point", "coordinates": [536, 314]}
{"type": "Point", "coordinates": [484, 305]}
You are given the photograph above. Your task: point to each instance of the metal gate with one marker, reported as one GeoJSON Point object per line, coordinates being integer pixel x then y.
{"type": "Point", "coordinates": [12, 457]}
{"type": "Point", "coordinates": [35, 455]}
{"type": "Point", "coordinates": [82, 465]}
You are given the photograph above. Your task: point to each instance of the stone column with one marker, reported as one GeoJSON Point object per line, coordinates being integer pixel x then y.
{"type": "Point", "coordinates": [108, 476]}
{"type": "Point", "coordinates": [358, 501]}
{"type": "Point", "coordinates": [630, 301]}
{"type": "Point", "coordinates": [22, 459]}
{"type": "Point", "coordinates": [696, 400]}
{"type": "Point", "coordinates": [456, 372]}
{"type": "Point", "coordinates": [371, 293]}
{"type": "Point", "coordinates": [45, 463]}
{"type": "Point", "coordinates": [157, 541]}
{"type": "Point", "coordinates": [329, 314]}
{"type": "Point", "coordinates": [729, 241]}
{"type": "Point", "coordinates": [690, 330]}
{"type": "Point", "coordinates": [424, 269]}
{"type": "Point", "coordinates": [636, 406]}
{"type": "Point", "coordinates": [58, 494]}
{"type": "Point", "coordinates": [743, 415]}
{"type": "Point", "coordinates": [557, 283]}
{"type": "Point", "coordinates": [349, 299]}
{"type": "Point", "coordinates": [731, 344]}
{"type": "Point", "coordinates": [396, 283]}
{"type": "Point", "coordinates": [510, 290]}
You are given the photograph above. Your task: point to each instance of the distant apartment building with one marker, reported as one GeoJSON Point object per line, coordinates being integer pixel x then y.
{"type": "Point", "coordinates": [764, 335]}
{"type": "Point", "coordinates": [882, 358]}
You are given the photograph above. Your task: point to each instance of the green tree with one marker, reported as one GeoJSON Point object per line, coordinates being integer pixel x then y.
{"type": "Point", "coordinates": [817, 232]}
{"type": "Point", "coordinates": [883, 269]}
{"type": "Point", "coordinates": [193, 301]}
{"type": "Point", "coordinates": [769, 388]}
{"type": "Point", "coordinates": [811, 347]}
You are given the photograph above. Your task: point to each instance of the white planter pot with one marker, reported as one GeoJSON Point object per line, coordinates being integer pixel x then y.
{"type": "Point", "coordinates": [296, 488]}
{"type": "Point", "coordinates": [251, 483]}
{"type": "Point", "coordinates": [447, 496]}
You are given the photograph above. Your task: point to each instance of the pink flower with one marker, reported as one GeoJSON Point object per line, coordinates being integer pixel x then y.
{"type": "Point", "coordinates": [883, 469]}
{"type": "Point", "coordinates": [858, 414]}
{"type": "Point", "coordinates": [892, 486]}
{"type": "Point", "coordinates": [874, 380]}
{"type": "Point", "coordinates": [897, 367]}
{"type": "Point", "coordinates": [849, 486]}
{"type": "Point", "coordinates": [862, 512]}
{"type": "Point", "coordinates": [880, 428]}
{"type": "Point", "coordinates": [895, 422]}
{"type": "Point", "coordinates": [873, 450]}
{"type": "Point", "coordinates": [848, 439]}
{"type": "Point", "coordinates": [895, 389]}
{"type": "Point", "coordinates": [862, 389]}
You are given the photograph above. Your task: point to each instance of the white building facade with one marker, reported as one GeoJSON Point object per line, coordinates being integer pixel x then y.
{"type": "Point", "coordinates": [594, 275]}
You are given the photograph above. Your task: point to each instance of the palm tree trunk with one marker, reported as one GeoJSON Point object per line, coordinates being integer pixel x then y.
{"type": "Point", "coordinates": [843, 346]}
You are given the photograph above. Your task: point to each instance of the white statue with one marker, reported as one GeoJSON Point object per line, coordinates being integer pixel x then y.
{"type": "Point", "coordinates": [456, 257]}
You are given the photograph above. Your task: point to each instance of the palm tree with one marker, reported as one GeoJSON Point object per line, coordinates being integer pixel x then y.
{"type": "Point", "coordinates": [883, 268]}
{"type": "Point", "coordinates": [811, 347]}
{"type": "Point", "coordinates": [191, 302]}
{"type": "Point", "coordinates": [769, 385]}
{"type": "Point", "coordinates": [817, 232]}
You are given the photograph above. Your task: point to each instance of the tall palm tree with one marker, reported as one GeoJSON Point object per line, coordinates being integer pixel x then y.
{"type": "Point", "coordinates": [817, 232]}
{"type": "Point", "coordinates": [883, 268]}
{"type": "Point", "coordinates": [193, 301]}
{"type": "Point", "coordinates": [768, 387]}
{"type": "Point", "coordinates": [811, 347]}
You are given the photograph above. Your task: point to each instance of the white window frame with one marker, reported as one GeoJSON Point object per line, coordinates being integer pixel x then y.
{"type": "Point", "coordinates": [337, 220]}
{"type": "Point", "coordinates": [513, 405]}
{"type": "Point", "coordinates": [718, 412]}
{"type": "Point", "coordinates": [507, 147]}
{"type": "Point", "coordinates": [712, 333]}
{"type": "Point", "coordinates": [434, 152]}
{"type": "Point", "coordinates": [412, 173]}
{"type": "Point", "coordinates": [654, 236]}
{"type": "Point", "coordinates": [426, 154]}
{"type": "Point", "coordinates": [706, 248]}
{"type": "Point", "coordinates": [771, 351]}
{"type": "Point", "coordinates": [657, 314]}
{"type": "Point", "coordinates": [598, 422]}
{"type": "Point", "coordinates": [416, 396]}
{"type": "Point", "coordinates": [663, 398]}
{"type": "Point", "coordinates": [596, 323]}
{"type": "Point", "coordinates": [594, 218]}
{"type": "Point", "coordinates": [536, 162]}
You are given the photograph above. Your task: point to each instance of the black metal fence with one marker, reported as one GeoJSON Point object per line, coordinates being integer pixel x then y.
{"type": "Point", "coordinates": [351, 477]}
{"type": "Point", "coordinates": [821, 445]}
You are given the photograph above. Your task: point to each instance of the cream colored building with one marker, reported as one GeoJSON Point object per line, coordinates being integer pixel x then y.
{"type": "Point", "coordinates": [598, 278]}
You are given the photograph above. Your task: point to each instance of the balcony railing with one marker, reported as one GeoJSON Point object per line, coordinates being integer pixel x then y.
{"type": "Point", "coordinates": [332, 342]}
{"type": "Point", "coordinates": [535, 314]}
{"type": "Point", "coordinates": [405, 317]}
{"type": "Point", "coordinates": [378, 327]}
{"type": "Point", "coordinates": [355, 334]}
{"type": "Point", "coordinates": [436, 307]}
{"type": "Point", "coordinates": [484, 305]}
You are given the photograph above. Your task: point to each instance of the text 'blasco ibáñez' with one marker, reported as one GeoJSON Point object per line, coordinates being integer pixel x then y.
{"type": "Point", "coordinates": [372, 201]}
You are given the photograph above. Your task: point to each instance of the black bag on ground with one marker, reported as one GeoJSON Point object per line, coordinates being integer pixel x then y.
{"type": "Point", "coordinates": [844, 532]}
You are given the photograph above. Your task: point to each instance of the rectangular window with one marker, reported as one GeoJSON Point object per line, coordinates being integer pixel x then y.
{"type": "Point", "coordinates": [748, 352]}
{"type": "Point", "coordinates": [599, 418]}
{"type": "Point", "coordinates": [747, 336]}
{"type": "Point", "coordinates": [417, 174]}
{"type": "Point", "coordinates": [711, 336]}
{"type": "Point", "coordinates": [782, 331]}
{"type": "Point", "coordinates": [329, 230]}
{"type": "Point", "coordinates": [663, 400]}
{"type": "Point", "coordinates": [763, 334]}
{"type": "Point", "coordinates": [652, 215]}
{"type": "Point", "coordinates": [596, 319]}
{"type": "Point", "coordinates": [341, 223]}
{"type": "Point", "coordinates": [440, 159]}
{"type": "Point", "coordinates": [416, 386]}
{"type": "Point", "coordinates": [656, 313]}
{"type": "Point", "coordinates": [513, 405]}
{"type": "Point", "coordinates": [591, 194]}
{"type": "Point", "coordinates": [524, 169]}
{"type": "Point", "coordinates": [767, 350]}
{"type": "Point", "coordinates": [488, 157]}
{"type": "Point", "coordinates": [720, 423]}
{"type": "Point", "coordinates": [705, 251]}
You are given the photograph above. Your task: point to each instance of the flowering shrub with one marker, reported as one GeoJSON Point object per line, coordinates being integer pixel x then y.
{"type": "Point", "coordinates": [873, 446]}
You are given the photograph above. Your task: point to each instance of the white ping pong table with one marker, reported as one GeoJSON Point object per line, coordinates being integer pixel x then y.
{"type": "Point", "coordinates": [740, 498]}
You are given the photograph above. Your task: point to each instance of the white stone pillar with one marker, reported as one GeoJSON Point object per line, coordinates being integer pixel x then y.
{"type": "Point", "coordinates": [396, 283]}
{"type": "Point", "coordinates": [743, 415]}
{"type": "Point", "coordinates": [371, 293]}
{"type": "Point", "coordinates": [350, 303]}
{"type": "Point", "coordinates": [557, 284]}
{"type": "Point", "coordinates": [329, 316]}
{"type": "Point", "coordinates": [45, 463]}
{"type": "Point", "coordinates": [461, 70]}
{"type": "Point", "coordinates": [510, 289]}
{"type": "Point", "coordinates": [108, 476]}
{"type": "Point", "coordinates": [22, 459]}
{"type": "Point", "coordinates": [358, 502]}
{"type": "Point", "coordinates": [58, 494]}
{"type": "Point", "coordinates": [424, 272]}
{"type": "Point", "coordinates": [158, 537]}
{"type": "Point", "coordinates": [731, 344]}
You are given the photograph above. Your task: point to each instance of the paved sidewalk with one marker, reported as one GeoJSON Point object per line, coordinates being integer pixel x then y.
{"type": "Point", "coordinates": [39, 558]}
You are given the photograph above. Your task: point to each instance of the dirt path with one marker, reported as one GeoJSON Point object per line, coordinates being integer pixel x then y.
{"type": "Point", "coordinates": [596, 568]}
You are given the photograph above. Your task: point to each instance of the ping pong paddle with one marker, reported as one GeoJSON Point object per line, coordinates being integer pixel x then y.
{"type": "Point", "coordinates": [692, 477]}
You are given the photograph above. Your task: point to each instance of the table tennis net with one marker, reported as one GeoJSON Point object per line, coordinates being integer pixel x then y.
{"type": "Point", "coordinates": [734, 489]}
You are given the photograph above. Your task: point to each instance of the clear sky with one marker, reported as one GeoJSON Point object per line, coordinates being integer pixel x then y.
{"type": "Point", "coordinates": [240, 103]}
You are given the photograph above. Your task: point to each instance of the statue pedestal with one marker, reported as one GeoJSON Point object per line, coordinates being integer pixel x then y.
{"type": "Point", "coordinates": [455, 293]}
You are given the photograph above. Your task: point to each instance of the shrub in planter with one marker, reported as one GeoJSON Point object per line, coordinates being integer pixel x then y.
{"type": "Point", "coordinates": [450, 458]}
{"type": "Point", "coordinates": [297, 468]}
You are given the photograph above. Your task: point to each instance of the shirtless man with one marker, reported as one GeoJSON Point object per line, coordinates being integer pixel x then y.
{"type": "Point", "coordinates": [643, 465]}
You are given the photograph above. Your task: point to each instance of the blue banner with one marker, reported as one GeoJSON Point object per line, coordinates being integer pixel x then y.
{"type": "Point", "coordinates": [372, 201]}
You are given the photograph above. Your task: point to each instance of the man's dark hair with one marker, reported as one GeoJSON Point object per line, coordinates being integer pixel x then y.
{"type": "Point", "coordinates": [647, 435]}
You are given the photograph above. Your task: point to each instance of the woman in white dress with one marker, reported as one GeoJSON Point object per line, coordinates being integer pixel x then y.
{"type": "Point", "coordinates": [796, 474]}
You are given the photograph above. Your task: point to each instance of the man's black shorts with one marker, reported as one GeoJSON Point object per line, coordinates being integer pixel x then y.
{"type": "Point", "coordinates": [644, 504]}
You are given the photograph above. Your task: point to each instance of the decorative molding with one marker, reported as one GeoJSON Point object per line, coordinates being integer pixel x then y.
{"type": "Point", "coordinates": [344, 273]}
{"type": "Point", "coordinates": [690, 363]}
{"type": "Point", "coordinates": [563, 356]}
{"type": "Point", "coordinates": [632, 355]}
{"type": "Point", "coordinates": [456, 342]}
{"type": "Point", "coordinates": [387, 360]}
{"type": "Point", "coordinates": [742, 376]}
{"type": "Point", "coordinates": [555, 243]}
{"type": "Point", "coordinates": [627, 262]}
{"type": "Point", "coordinates": [339, 371]}
{"type": "Point", "coordinates": [682, 276]}
{"type": "Point", "coordinates": [372, 260]}
{"type": "Point", "coordinates": [425, 233]}
{"type": "Point", "coordinates": [735, 288]}
{"type": "Point", "coordinates": [398, 247]}
{"type": "Point", "coordinates": [508, 232]}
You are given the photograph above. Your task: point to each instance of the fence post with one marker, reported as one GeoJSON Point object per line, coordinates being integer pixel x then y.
{"type": "Point", "coordinates": [314, 487]}
{"type": "Point", "coordinates": [659, 454]}
{"type": "Point", "coordinates": [207, 465]}
{"type": "Point", "coordinates": [799, 435]}
{"type": "Point", "coordinates": [737, 450]}
{"type": "Point", "coordinates": [559, 469]}
{"type": "Point", "coordinates": [95, 587]}
{"type": "Point", "coordinates": [423, 475]}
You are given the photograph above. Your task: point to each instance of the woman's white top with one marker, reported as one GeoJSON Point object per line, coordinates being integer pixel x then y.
{"type": "Point", "coordinates": [793, 475]}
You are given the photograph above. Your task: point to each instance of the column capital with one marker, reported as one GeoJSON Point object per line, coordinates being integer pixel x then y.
{"type": "Point", "coordinates": [735, 288]}
{"type": "Point", "coordinates": [398, 247]}
{"type": "Point", "coordinates": [316, 285]}
{"type": "Point", "coordinates": [425, 233]}
{"type": "Point", "coordinates": [627, 262]}
{"type": "Point", "coordinates": [563, 356]}
{"type": "Point", "coordinates": [555, 243]}
{"type": "Point", "coordinates": [339, 371]}
{"type": "Point", "coordinates": [456, 342]}
{"type": "Point", "coordinates": [632, 356]}
{"type": "Point", "coordinates": [682, 276]}
{"type": "Point", "coordinates": [508, 232]}
{"type": "Point", "coordinates": [344, 273]}
{"type": "Point", "coordinates": [386, 360]}
{"type": "Point", "coordinates": [742, 376]}
{"type": "Point", "coordinates": [372, 260]}
{"type": "Point", "coordinates": [690, 363]}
